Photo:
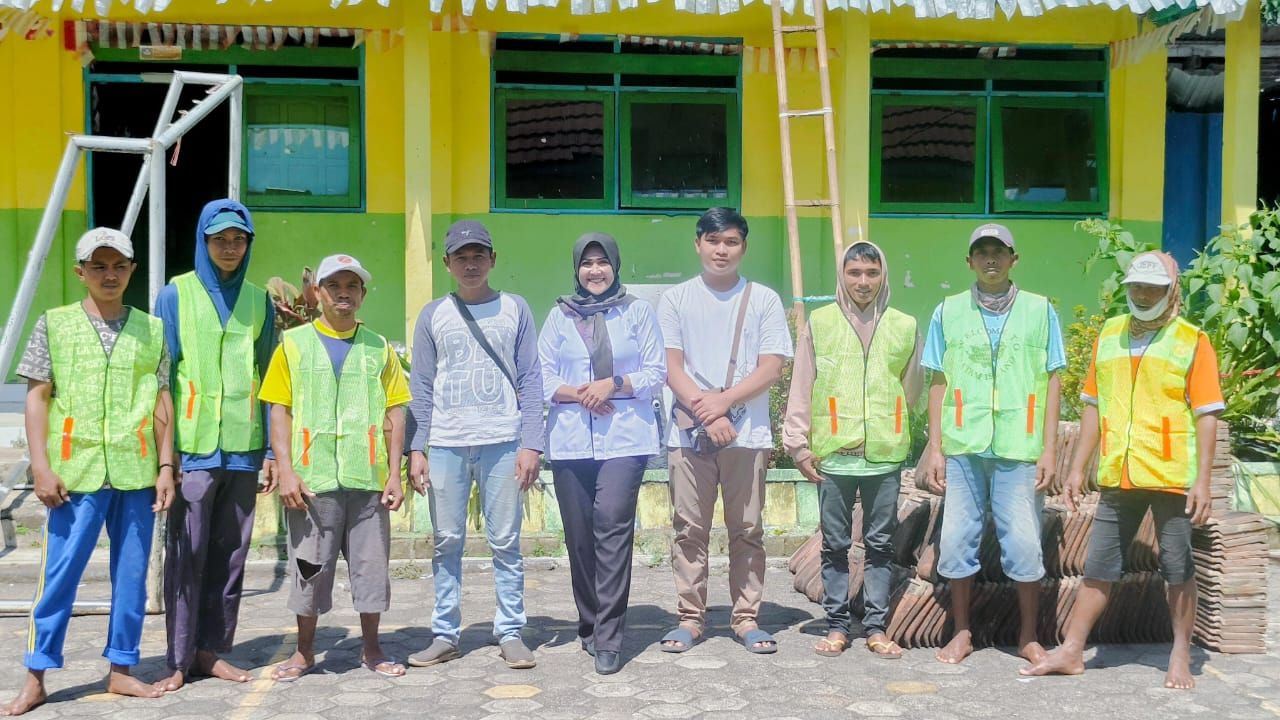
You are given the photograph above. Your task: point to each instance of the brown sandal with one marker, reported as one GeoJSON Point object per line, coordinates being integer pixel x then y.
{"type": "Point", "coordinates": [830, 647]}
{"type": "Point", "coordinates": [885, 649]}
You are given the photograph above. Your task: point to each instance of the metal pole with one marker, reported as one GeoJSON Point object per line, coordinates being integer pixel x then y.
{"type": "Point", "coordinates": [155, 258]}
{"type": "Point", "coordinates": [234, 144]}
{"type": "Point", "coordinates": [36, 257]}
{"type": "Point", "coordinates": [198, 113]}
{"type": "Point", "coordinates": [156, 197]}
{"type": "Point", "coordinates": [170, 105]}
{"type": "Point", "coordinates": [139, 194]}
{"type": "Point", "coordinates": [139, 146]}
{"type": "Point", "coordinates": [80, 607]}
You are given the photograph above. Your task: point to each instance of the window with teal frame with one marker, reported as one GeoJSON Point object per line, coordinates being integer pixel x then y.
{"type": "Point", "coordinates": [989, 131]}
{"type": "Point", "coordinates": [602, 125]}
{"type": "Point", "coordinates": [302, 146]}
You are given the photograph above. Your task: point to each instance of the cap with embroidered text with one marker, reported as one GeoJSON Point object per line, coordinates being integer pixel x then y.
{"type": "Point", "coordinates": [1147, 270]}
{"type": "Point", "coordinates": [995, 231]}
{"type": "Point", "coordinates": [101, 237]}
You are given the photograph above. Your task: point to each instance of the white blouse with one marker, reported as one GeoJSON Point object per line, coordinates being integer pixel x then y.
{"type": "Point", "coordinates": [638, 354]}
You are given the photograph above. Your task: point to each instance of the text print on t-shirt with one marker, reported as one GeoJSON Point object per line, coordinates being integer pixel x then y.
{"type": "Point", "coordinates": [473, 385]}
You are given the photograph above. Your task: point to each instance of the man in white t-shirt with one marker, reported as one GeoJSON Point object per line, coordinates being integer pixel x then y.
{"type": "Point", "coordinates": [720, 433]}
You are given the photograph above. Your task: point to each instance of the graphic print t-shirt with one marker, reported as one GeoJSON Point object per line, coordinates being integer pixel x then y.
{"type": "Point", "coordinates": [460, 396]}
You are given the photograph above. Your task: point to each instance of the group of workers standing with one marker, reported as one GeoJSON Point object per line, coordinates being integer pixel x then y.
{"type": "Point", "coordinates": [200, 408]}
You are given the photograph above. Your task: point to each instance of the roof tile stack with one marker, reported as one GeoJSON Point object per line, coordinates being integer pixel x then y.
{"type": "Point", "coordinates": [1230, 553]}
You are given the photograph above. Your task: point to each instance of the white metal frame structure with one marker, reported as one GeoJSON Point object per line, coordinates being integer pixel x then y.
{"type": "Point", "coordinates": [151, 177]}
{"type": "Point", "coordinates": [153, 149]}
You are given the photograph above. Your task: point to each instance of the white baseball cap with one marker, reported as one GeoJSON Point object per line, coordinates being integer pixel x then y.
{"type": "Point", "coordinates": [1148, 270]}
{"type": "Point", "coordinates": [335, 264]}
{"type": "Point", "coordinates": [101, 237]}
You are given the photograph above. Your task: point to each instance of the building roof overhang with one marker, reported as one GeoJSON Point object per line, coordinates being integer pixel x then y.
{"type": "Point", "coordinates": [961, 9]}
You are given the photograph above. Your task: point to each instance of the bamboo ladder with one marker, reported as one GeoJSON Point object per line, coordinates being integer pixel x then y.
{"type": "Point", "coordinates": [785, 115]}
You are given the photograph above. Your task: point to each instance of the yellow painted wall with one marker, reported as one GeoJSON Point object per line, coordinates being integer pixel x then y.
{"type": "Point", "coordinates": [42, 100]}
{"type": "Point", "coordinates": [447, 174]}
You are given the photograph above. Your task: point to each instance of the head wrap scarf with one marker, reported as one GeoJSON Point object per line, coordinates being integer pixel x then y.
{"type": "Point", "coordinates": [588, 311]}
{"type": "Point", "coordinates": [1138, 328]}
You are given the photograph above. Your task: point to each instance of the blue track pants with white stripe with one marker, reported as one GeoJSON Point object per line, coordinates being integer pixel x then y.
{"type": "Point", "coordinates": [71, 533]}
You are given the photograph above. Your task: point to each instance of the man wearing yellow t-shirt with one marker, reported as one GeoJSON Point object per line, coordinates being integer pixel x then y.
{"type": "Point", "coordinates": [337, 393]}
{"type": "Point", "coordinates": [1152, 400]}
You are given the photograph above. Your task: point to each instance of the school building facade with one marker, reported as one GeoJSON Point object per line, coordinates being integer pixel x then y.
{"type": "Point", "coordinates": [369, 127]}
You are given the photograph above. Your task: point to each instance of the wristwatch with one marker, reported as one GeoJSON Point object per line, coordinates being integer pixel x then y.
{"type": "Point", "coordinates": [617, 383]}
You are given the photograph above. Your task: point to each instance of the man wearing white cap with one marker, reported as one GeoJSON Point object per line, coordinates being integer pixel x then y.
{"type": "Point", "coordinates": [1151, 400]}
{"type": "Point", "coordinates": [995, 350]}
{"type": "Point", "coordinates": [98, 418]}
{"type": "Point", "coordinates": [337, 427]}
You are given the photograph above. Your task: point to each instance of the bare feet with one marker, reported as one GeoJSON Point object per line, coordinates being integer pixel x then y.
{"type": "Point", "coordinates": [173, 683]}
{"type": "Point", "coordinates": [960, 647]}
{"type": "Point", "coordinates": [120, 682]}
{"type": "Point", "coordinates": [1031, 651]}
{"type": "Point", "coordinates": [211, 665]}
{"type": "Point", "coordinates": [1062, 661]}
{"type": "Point", "coordinates": [1179, 675]}
{"type": "Point", "coordinates": [295, 667]}
{"type": "Point", "coordinates": [31, 696]}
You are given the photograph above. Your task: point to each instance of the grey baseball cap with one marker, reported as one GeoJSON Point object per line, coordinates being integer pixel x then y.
{"type": "Point", "coordinates": [994, 231]}
{"type": "Point", "coordinates": [464, 233]}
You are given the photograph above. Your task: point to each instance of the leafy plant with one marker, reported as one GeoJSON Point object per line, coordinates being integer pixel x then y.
{"type": "Point", "coordinates": [294, 307]}
{"type": "Point", "coordinates": [1116, 249]}
{"type": "Point", "coordinates": [1080, 335]}
{"type": "Point", "coordinates": [1233, 293]}
{"type": "Point", "coordinates": [778, 405]}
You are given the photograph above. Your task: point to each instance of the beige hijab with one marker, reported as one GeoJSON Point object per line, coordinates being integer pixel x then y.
{"type": "Point", "coordinates": [1138, 328]}
{"type": "Point", "coordinates": [863, 320]}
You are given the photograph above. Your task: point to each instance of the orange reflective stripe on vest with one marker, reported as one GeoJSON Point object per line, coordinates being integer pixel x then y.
{"type": "Point", "coordinates": [68, 424]}
{"type": "Point", "coordinates": [142, 438]}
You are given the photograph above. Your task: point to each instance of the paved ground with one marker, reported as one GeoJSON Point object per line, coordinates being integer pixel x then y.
{"type": "Point", "coordinates": [716, 680]}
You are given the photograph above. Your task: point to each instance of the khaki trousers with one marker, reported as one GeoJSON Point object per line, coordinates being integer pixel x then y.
{"type": "Point", "coordinates": [739, 473]}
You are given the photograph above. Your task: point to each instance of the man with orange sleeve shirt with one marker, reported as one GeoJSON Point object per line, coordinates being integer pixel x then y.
{"type": "Point", "coordinates": [1152, 399]}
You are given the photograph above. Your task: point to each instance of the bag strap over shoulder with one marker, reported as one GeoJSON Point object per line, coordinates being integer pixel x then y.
{"type": "Point", "coordinates": [737, 334]}
{"type": "Point", "coordinates": [478, 334]}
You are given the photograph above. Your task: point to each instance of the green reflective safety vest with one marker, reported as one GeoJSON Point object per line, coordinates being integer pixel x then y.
{"type": "Point", "coordinates": [100, 417]}
{"type": "Point", "coordinates": [337, 421]}
{"type": "Point", "coordinates": [1148, 428]}
{"type": "Point", "coordinates": [216, 393]}
{"type": "Point", "coordinates": [995, 402]}
{"type": "Point", "coordinates": [858, 400]}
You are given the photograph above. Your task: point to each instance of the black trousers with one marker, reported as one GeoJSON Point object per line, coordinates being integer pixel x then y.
{"type": "Point", "coordinates": [597, 501]}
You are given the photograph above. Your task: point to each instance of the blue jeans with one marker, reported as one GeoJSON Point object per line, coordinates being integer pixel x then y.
{"type": "Point", "coordinates": [1008, 488]}
{"type": "Point", "coordinates": [493, 468]}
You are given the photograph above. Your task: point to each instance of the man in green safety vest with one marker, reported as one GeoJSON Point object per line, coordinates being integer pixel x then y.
{"type": "Point", "coordinates": [993, 418]}
{"type": "Point", "coordinates": [98, 418]}
{"type": "Point", "coordinates": [220, 332]}
{"type": "Point", "coordinates": [337, 425]}
{"type": "Point", "coordinates": [847, 426]}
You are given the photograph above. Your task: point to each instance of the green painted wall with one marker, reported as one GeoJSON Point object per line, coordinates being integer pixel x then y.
{"type": "Point", "coordinates": [58, 284]}
{"type": "Point", "coordinates": [534, 251]}
{"type": "Point", "coordinates": [288, 241]}
{"type": "Point", "coordinates": [926, 255]}
{"type": "Point", "coordinates": [927, 261]}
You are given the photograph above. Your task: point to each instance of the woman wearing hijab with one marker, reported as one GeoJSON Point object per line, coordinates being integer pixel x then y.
{"type": "Point", "coordinates": [602, 362]}
{"type": "Point", "coordinates": [847, 427]}
{"type": "Point", "coordinates": [1152, 400]}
